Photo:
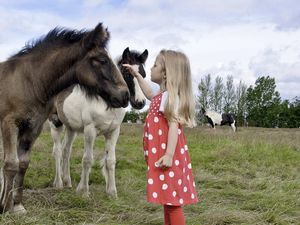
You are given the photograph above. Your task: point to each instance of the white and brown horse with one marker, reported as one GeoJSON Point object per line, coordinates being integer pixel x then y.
{"type": "Point", "coordinates": [91, 116]}
{"type": "Point", "coordinates": [31, 79]}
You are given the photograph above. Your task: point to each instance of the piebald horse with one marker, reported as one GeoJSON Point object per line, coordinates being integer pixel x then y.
{"type": "Point", "coordinates": [30, 79]}
{"type": "Point", "coordinates": [215, 118]}
{"type": "Point", "coordinates": [79, 113]}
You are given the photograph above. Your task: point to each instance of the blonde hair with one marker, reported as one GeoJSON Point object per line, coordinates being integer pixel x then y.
{"type": "Point", "coordinates": [180, 105]}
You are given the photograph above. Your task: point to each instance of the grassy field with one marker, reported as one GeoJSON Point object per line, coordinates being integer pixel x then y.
{"type": "Point", "coordinates": [251, 177]}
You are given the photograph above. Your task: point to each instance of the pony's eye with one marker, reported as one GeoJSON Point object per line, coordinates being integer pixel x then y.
{"type": "Point", "coordinates": [99, 61]}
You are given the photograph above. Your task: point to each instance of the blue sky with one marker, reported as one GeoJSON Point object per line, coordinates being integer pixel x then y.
{"type": "Point", "coordinates": [242, 38]}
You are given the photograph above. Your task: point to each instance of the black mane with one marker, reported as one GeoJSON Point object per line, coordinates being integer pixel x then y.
{"type": "Point", "coordinates": [55, 38]}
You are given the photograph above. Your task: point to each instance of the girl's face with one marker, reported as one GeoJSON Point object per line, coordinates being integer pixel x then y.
{"type": "Point", "coordinates": [157, 71]}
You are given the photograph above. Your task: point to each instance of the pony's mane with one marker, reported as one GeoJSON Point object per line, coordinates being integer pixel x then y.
{"type": "Point", "coordinates": [55, 38]}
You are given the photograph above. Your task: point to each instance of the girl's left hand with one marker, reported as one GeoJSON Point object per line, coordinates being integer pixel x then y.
{"type": "Point", "coordinates": [165, 161]}
{"type": "Point", "coordinates": [133, 69]}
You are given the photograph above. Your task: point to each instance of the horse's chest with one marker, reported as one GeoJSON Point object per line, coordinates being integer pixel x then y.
{"type": "Point", "coordinates": [80, 112]}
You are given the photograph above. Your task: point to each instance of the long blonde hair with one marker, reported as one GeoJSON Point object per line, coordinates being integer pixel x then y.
{"type": "Point", "coordinates": [180, 105]}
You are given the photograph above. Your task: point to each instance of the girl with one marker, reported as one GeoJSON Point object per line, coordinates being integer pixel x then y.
{"type": "Point", "coordinates": [170, 179]}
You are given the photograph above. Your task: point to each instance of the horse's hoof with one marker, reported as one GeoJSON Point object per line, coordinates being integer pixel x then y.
{"type": "Point", "coordinates": [112, 194]}
{"type": "Point", "coordinates": [84, 192]}
{"type": "Point", "coordinates": [58, 185]}
{"type": "Point", "coordinates": [19, 209]}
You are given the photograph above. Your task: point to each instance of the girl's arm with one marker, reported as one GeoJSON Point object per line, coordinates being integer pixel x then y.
{"type": "Point", "coordinates": [167, 159]}
{"type": "Point", "coordinates": [143, 84]}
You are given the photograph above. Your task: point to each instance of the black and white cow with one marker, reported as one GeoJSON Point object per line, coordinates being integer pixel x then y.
{"type": "Point", "coordinates": [215, 118]}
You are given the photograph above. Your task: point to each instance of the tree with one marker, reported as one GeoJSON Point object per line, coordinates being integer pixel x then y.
{"type": "Point", "coordinates": [263, 103]}
{"type": "Point", "coordinates": [204, 97]}
{"type": "Point", "coordinates": [217, 94]}
{"type": "Point", "coordinates": [229, 96]}
{"type": "Point", "coordinates": [241, 98]}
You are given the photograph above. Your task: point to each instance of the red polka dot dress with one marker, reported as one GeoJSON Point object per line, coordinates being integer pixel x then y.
{"type": "Point", "coordinates": [174, 186]}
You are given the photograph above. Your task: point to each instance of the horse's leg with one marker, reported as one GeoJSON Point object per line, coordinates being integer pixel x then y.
{"type": "Point", "coordinates": [109, 166]}
{"type": "Point", "coordinates": [67, 149]}
{"type": "Point", "coordinates": [233, 126]}
{"type": "Point", "coordinates": [87, 159]}
{"type": "Point", "coordinates": [11, 163]}
{"type": "Point", "coordinates": [57, 153]}
{"type": "Point", "coordinates": [26, 140]}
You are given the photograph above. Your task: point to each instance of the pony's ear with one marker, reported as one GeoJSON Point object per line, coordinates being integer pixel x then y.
{"type": "Point", "coordinates": [126, 54]}
{"type": "Point", "coordinates": [143, 57]}
{"type": "Point", "coordinates": [97, 37]}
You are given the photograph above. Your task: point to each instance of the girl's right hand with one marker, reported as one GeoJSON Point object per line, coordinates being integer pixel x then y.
{"type": "Point", "coordinates": [133, 69]}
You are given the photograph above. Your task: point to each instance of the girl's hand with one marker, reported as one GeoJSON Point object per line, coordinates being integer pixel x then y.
{"type": "Point", "coordinates": [165, 161]}
{"type": "Point", "coordinates": [133, 69]}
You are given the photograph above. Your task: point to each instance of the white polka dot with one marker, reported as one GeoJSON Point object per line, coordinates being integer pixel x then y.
{"type": "Point", "coordinates": [176, 162]}
{"type": "Point", "coordinates": [150, 137]}
{"type": "Point", "coordinates": [169, 203]}
{"type": "Point", "coordinates": [159, 132]}
{"type": "Point", "coordinates": [183, 170]}
{"type": "Point", "coordinates": [150, 181]}
{"type": "Point", "coordinates": [179, 182]}
{"type": "Point", "coordinates": [153, 150]}
{"type": "Point", "coordinates": [146, 153]}
{"type": "Point", "coordinates": [161, 177]}
{"type": "Point", "coordinates": [148, 125]}
{"type": "Point", "coordinates": [189, 166]}
{"type": "Point", "coordinates": [194, 184]}
{"type": "Point", "coordinates": [171, 174]}
{"type": "Point", "coordinates": [163, 146]}
{"type": "Point", "coordinates": [146, 134]}
{"type": "Point", "coordinates": [181, 150]}
{"type": "Point", "coordinates": [179, 131]}
{"type": "Point", "coordinates": [154, 194]}
{"type": "Point", "coordinates": [156, 164]}
{"type": "Point", "coordinates": [181, 201]}
{"type": "Point", "coordinates": [165, 186]}
{"type": "Point", "coordinates": [188, 177]}
{"type": "Point", "coordinates": [148, 168]}
{"type": "Point", "coordinates": [185, 189]}
{"type": "Point", "coordinates": [186, 147]}
{"type": "Point", "coordinates": [192, 196]}
{"type": "Point", "coordinates": [174, 193]}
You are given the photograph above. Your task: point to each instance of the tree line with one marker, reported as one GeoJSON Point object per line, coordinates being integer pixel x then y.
{"type": "Point", "coordinates": [258, 105]}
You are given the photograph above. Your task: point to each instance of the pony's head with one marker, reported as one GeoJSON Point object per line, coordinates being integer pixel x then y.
{"type": "Point", "coordinates": [137, 98]}
{"type": "Point", "coordinates": [96, 71]}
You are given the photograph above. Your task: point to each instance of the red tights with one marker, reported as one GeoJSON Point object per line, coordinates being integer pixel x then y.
{"type": "Point", "coordinates": [173, 215]}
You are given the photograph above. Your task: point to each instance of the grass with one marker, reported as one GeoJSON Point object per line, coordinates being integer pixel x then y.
{"type": "Point", "coordinates": [251, 177]}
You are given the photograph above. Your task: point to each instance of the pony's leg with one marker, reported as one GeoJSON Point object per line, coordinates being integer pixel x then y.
{"type": "Point", "coordinates": [26, 140]}
{"type": "Point", "coordinates": [233, 126]}
{"type": "Point", "coordinates": [11, 163]}
{"type": "Point", "coordinates": [57, 153]}
{"type": "Point", "coordinates": [109, 165]}
{"type": "Point", "coordinates": [67, 149]}
{"type": "Point", "coordinates": [87, 159]}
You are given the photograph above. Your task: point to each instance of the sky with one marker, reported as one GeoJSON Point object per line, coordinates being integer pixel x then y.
{"type": "Point", "coordinates": [242, 38]}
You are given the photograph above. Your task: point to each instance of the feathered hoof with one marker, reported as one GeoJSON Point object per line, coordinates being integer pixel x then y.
{"type": "Point", "coordinates": [19, 210]}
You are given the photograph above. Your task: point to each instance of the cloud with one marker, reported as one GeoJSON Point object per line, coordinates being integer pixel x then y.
{"type": "Point", "coordinates": [272, 63]}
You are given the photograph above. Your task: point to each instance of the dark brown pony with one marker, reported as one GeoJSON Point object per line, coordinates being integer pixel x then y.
{"type": "Point", "coordinates": [28, 82]}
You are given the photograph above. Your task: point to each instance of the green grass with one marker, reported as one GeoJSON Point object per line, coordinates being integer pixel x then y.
{"type": "Point", "coordinates": [251, 177]}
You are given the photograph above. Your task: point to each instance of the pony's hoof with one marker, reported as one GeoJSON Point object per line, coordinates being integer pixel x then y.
{"type": "Point", "coordinates": [84, 192]}
{"type": "Point", "coordinates": [58, 184]}
{"type": "Point", "coordinates": [112, 194]}
{"type": "Point", "coordinates": [19, 209]}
